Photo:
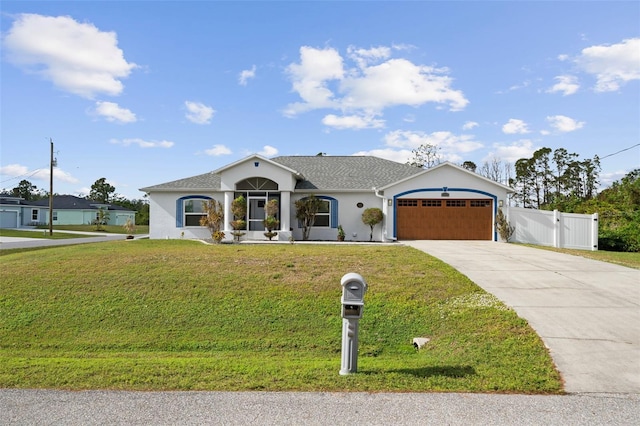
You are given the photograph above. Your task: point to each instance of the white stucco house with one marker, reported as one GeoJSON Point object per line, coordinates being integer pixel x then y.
{"type": "Point", "coordinates": [443, 202]}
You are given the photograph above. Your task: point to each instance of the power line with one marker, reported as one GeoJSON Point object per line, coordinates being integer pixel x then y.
{"type": "Point", "coordinates": [622, 150]}
{"type": "Point", "coordinates": [28, 175]}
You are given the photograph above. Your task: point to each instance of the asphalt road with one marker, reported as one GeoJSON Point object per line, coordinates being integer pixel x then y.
{"type": "Point", "coordinates": [45, 407]}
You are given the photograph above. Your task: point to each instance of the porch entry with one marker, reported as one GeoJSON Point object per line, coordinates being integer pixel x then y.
{"type": "Point", "coordinates": [257, 191]}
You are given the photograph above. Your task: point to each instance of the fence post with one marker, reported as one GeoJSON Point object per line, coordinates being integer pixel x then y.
{"type": "Point", "coordinates": [594, 232]}
{"type": "Point", "coordinates": [556, 229]}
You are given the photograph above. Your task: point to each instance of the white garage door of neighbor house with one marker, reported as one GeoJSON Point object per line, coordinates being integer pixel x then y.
{"type": "Point", "coordinates": [444, 219]}
{"type": "Point", "coordinates": [8, 220]}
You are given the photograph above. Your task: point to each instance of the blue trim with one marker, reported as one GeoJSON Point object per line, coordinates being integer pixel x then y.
{"type": "Point", "coordinates": [180, 207]}
{"type": "Point", "coordinates": [445, 189]}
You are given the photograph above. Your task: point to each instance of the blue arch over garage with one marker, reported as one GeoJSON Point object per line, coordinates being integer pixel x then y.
{"type": "Point", "coordinates": [444, 189]}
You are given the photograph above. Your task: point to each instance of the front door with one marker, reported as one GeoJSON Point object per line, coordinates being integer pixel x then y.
{"type": "Point", "coordinates": [256, 213]}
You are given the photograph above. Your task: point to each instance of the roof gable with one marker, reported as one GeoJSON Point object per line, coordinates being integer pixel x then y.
{"type": "Point", "coordinates": [253, 158]}
{"type": "Point", "coordinates": [456, 167]}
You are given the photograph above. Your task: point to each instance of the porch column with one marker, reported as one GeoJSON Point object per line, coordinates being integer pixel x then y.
{"type": "Point", "coordinates": [285, 211]}
{"type": "Point", "coordinates": [228, 216]}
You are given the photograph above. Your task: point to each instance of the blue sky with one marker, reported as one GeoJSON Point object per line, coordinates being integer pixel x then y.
{"type": "Point", "coordinates": [152, 91]}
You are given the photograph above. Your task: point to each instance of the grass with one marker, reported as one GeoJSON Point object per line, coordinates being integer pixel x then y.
{"type": "Point", "coordinates": [180, 315]}
{"type": "Point", "coordinates": [630, 260]}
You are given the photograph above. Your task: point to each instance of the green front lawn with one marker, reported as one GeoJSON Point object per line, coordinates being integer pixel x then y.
{"type": "Point", "coordinates": [181, 315]}
{"type": "Point", "coordinates": [630, 260]}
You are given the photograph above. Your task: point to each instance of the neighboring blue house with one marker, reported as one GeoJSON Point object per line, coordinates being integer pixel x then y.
{"type": "Point", "coordinates": [67, 210]}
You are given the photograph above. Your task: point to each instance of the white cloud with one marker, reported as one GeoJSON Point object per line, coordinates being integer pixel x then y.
{"type": "Point", "coordinates": [76, 57]}
{"type": "Point", "coordinates": [114, 113]}
{"type": "Point", "coordinates": [512, 152]}
{"type": "Point", "coordinates": [566, 84]}
{"type": "Point", "coordinates": [352, 122]}
{"type": "Point", "coordinates": [399, 82]}
{"type": "Point", "coordinates": [564, 124]}
{"type": "Point", "coordinates": [14, 170]}
{"type": "Point", "coordinates": [470, 125]}
{"type": "Point", "coordinates": [365, 56]}
{"type": "Point", "coordinates": [198, 113]}
{"type": "Point", "coordinates": [515, 126]}
{"type": "Point", "coordinates": [268, 151]}
{"type": "Point", "coordinates": [310, 77]}
{"type": "Point", "coordinates": [218, 150]}
{"type": "Point", "coordinates": [376, 82]}
{"type": "Point", "coordinates": [612, 65]}
{"type": "Point", "coordinates": [142, 143]}
{"type": "Point", "coordinates": [245, 75]}
{"type": "Point", "coordinates": [83, 192]}
{"type": "Point", "coordinates": [607, 178]}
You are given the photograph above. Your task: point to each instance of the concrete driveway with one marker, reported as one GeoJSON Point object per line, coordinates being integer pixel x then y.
{"type": "Point", "coordinates": [587, 312]}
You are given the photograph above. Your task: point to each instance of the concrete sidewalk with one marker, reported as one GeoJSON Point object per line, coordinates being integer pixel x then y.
{"type": "Point", "coordinates": [587, 312]}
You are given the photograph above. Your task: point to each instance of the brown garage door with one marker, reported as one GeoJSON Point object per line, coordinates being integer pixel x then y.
{"type": "Point", "coordinates": [444, 219]}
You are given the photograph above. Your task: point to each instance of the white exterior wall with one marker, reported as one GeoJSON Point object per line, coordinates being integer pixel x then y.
{"type": "Point", "coordinates": [431, 184]}
{"type": "Point", "coordinates": [162, 216]}
{"type": "Point", "coordinates": [349, 216]}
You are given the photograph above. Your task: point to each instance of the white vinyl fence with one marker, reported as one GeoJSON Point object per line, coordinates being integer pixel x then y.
{"type": "Point", "coordinates": [553, 228]}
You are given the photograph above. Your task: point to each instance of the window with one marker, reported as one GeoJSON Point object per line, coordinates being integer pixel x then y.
{"type": "Point", "coordinates": [189, 210]}
{"type": "Point", "coordinates": [257, 184]}
{"type": "Point", "coordinates": [324, 215]}
{"type": "Point", "coordinates": [34, 215]}
{"type": "Point", "coordinates": [480, 203]}
{"type": "Point", "coordinates": [327, 216]}
{"type": "Point", "coordinates": [407, 203]}
{"type": "Point", "coordinates": [431, 203]}
{"type": "Point", "coordinates": [55, 216]}
{"type": "Point", "coordinates": [193, 212]}
{"type": "Point", "coordinates": [456, 203]}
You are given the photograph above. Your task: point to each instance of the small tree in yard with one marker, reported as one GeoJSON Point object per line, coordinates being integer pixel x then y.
{"type": "Point", "coordinates": [102, 219]}
{"type": "Point", "coordinates": [306, 211]}
{"type": "Point", "coordinates": [239, 211]}
{"type": "Point", "coordinates": [130, 228]}
{"type": "Point", "coordinates": [505, 229]}
{"type": "Point", "coordinates": [213, 219]}
{"type": "Point", "coordinates": [372, 216]}
{"type": "Point", "coordinates": [270, 222]}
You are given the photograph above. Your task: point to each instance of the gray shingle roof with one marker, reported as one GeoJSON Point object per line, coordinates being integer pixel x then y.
{"type": "Point", "coordinates": [346, 173]}
{"type": "Point", "coordinates": [204, 182]}
{"type": "Point", "coordinates": [71, 202]}
{"type": "Point", "coordinates": [320, 172]}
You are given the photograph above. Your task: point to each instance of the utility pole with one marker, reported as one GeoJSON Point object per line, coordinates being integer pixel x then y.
{"type": "Point", "coordinates": [51, 190]}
